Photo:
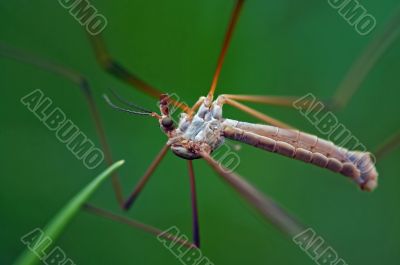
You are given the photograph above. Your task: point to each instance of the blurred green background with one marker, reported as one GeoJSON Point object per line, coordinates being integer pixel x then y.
{"type": "Point", "coordinates": [279, 48]}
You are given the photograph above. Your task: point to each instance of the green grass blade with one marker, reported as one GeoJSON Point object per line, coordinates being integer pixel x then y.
{"type": "Point", "coordinates": [55, 227]}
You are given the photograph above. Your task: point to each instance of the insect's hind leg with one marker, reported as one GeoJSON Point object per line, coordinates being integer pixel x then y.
{"type": "Point", "coordinates": [136, 224]}
{"type": "Point", "coordinates": [367, 60]}
{"type": "Point", "coordinates": [266, 206]}
{"type": "Point", "coordinates": [222, 99]}
{"type": "Point", "coordinates": [77, 79]}
{"type": "Point", "coordinates": [388, 145]}
{"type": "Point", "coordinates": [355, 76]}
{"type": "Point", "coordinates": [284, 101]}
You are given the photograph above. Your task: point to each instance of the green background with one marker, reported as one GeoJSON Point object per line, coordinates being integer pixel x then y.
{"type": "Point", "coordinates": [279, 48]}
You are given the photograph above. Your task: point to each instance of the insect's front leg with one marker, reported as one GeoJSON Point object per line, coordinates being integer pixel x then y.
{"type": "Point", "coordinates": [143, 181]}
{"type": "Point", "coordinates": [82, 83]}
{"type": "Point", "coordinates": [227, 40]}
{"type": "Point", "coordinates": [113, 67]}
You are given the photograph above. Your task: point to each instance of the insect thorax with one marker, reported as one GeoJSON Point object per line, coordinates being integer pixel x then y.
{"type": "Point", "coordinates": [201, 133]}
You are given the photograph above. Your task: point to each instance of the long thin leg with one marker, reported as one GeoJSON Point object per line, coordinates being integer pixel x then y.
{"type": "Point", "coordinates": [196, 230]}
{"type": "Point", "coordinates": [355, 76]}
{"type": "Point", "coordinates": [265, 205]}
{"type": "Point", "coordinates": [84, 86]}
{"type": "Point", "coordinates": [367, 60]}
{"type": "Point", "coordinates": [227, 40]}
{"type": "Point", "coordinates": [113, 67]}
{"type": "Point", "coordinates": [284, 101]}
{"type": "Point", "coordinates": [136, 224]}
{"type": "Point", "coordinates": [265, 118]}
{"type": "Point", "coordinates": [388, 146]}
{"type": "Point", "coordinates": [142, 182]}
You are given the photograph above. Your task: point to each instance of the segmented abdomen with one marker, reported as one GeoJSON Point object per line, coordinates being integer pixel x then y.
{"type": "Point", "coordinates": [306, 147]}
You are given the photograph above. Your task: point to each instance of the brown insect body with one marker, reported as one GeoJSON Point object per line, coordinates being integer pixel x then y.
{"type": "Point", "coordinates": [207, 130]}
{"type": "Point", "coordinates": [307, 148]}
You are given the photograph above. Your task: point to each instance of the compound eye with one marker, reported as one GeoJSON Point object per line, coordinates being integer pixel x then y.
{"type": "Point", "coordinates": [167, 122]}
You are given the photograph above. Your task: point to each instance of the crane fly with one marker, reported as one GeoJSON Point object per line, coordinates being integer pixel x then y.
{"type": "Point", "coordinates": [202, 129]}
{"type": "Point", "coordinates": [197, 136]}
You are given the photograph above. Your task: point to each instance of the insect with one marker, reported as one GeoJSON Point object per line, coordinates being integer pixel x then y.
{"type": "Point", "coordinates": [202, 129]}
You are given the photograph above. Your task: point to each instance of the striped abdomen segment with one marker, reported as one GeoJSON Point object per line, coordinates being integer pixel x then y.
{"type": "Point", "coordinates": [307, 148]}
